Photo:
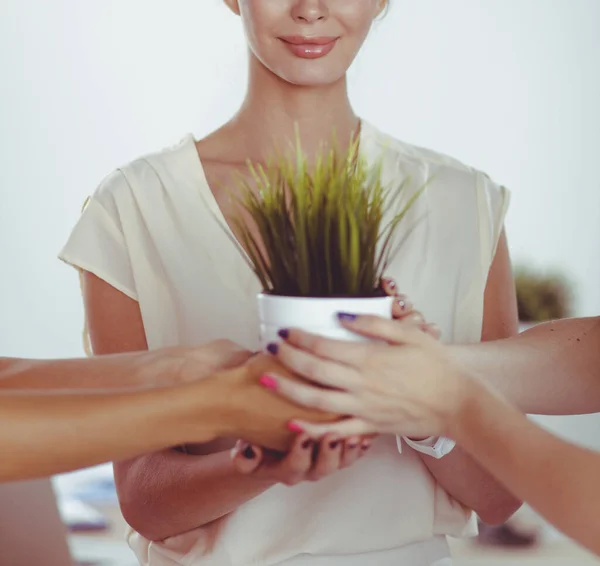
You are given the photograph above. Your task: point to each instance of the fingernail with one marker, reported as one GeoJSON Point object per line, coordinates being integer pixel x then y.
{"type": "Point", "coordinates": [307, 444]}
{"type": "Point", "coordinates": [284, 333]}
{"type": "Point", "coordinates": [295, 427]}
{"type": "Point", "coordinates": [404, 304]}
{"type": "Point", "coordinates": [334, 444]}
{"type": "Point", "coordinates": [268, 382]}
{"type": "Point", "coordinates": [346, 316]}
{"type": "Point", "coordinates": [390, 283]}
{"type": "Point", "coordinates": [366, 445]}
{"type": "Point", "coordinates": [248, 452]}
{"type": "Point", "coordinates": [273, 348]}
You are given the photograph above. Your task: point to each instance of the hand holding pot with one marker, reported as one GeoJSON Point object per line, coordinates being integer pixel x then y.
{"type": "Point", "coordinates": [403, 309]}
{"type": "Point", "coordinates": [259, 416]}
{"type": "Point", "coordinates": [411, 386]}
{"type": "Point", "coordinates": [307, 459]}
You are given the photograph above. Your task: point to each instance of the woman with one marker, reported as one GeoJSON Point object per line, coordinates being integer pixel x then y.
{"type": "Point", "coordinates": [418, 387]}
{"type": "Point", "coordinates": [160, 269]}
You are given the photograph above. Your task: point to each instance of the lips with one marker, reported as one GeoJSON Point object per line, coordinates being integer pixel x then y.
{"type": "Point", "coordinates": [309, 47]}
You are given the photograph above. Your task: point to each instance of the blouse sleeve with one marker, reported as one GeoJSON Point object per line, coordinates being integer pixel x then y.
{"type": "Point", "coordinates": [493, 201]}
{"type": "Point", "coordinates": [97, 243]}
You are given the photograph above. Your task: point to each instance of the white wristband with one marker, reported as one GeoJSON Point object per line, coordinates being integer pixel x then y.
{"type": "Point", "coordinates": [435, 446]}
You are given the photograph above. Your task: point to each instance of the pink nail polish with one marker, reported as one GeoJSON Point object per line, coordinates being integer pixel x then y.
{"type": "Point", "coordinates": [268, 382]}
{"type": "Point", "coordinates": [295, 427]}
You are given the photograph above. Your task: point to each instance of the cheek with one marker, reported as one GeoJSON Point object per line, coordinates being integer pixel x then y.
{"type": "Point", "coordinates": [356, 18]}
{"type": "Point", "coordinates": [261, 19]}
{"type": "Point", "coordinates": [356, 15]}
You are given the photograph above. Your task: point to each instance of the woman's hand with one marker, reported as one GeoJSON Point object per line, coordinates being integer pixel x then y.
{"type": "Point", "coordinates": [410, 386]}
{"type": "Point", "coordinates": [307, 459]}
{"type": "Point", "coordinates": [189, 364]}
{"type": "Point", "coordinates": [403, 309]}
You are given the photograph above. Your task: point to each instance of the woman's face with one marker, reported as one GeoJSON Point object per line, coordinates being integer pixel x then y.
{"type": "Point", "coordinates": [307, 42]}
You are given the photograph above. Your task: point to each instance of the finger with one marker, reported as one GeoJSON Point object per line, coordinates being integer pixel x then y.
{"type": "Point", "coordinates": [401, 307]}
{"type": "Point", "coordinates": [351, 451]}
{"type": "Point", "coordinates": [297, 462]}
{"type": "Point", "coordinates": [313, 367]}
{"type": "Point", "coordinates": [246, 458]}
{"type": "Point", "coordinates": [329, 457]}
{"type": "Point", "coordinates": [393, 332]}
{"type": "Point", "coordinates": [340, 351]}
{"type": "Point", "coordinates": [389, 286]}
{"type": "Point", "coordinates": [305, 395]}
{"type": "Point", "coordinates": [416, 318]}
{"type": "Point", "coordinates": [343, 429]}
{"type": "Point", "coordinates": [433, 330]}
{"type": "Point", "coordinates": [366, 443]}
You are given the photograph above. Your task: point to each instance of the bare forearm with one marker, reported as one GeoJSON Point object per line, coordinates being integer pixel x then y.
{"type": "Point", "coordinates": [558, 479]}
{"type": "Point", "coordinates": [41, 435]}
{"type": "Point", "coordinates": [473, 486]}
{"type": "Point", "coordinates": [552, 369]}
{"type": "Point", "coordinates": [119, 371]}
{"type": "Point", "coordinates": [182, 493]}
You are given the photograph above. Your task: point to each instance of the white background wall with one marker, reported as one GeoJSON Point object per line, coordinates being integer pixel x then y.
{"type": "Point", "coordinates": [510, 86]}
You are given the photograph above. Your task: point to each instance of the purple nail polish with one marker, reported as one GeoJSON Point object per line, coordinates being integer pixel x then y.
{"type": "Point", "coordinates": [346, 316]}
{"type": "Point", "coordinates": [307, 444]}
{"type": "Point", "coordinates": [333, 445]}
{"type": "Point", "coordinates": [273, 348]}
{"type": "Point", "coordinates": [248, 453]}
{"type": "Point", "coordinates": [284, 333]}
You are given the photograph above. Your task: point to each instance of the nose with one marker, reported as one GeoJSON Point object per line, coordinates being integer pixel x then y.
{"type": "Point", "coordinates": [310, 11]}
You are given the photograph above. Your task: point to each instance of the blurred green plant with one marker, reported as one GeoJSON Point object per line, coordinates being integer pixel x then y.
{"type": "Point", "coordinates": [542, 297]}
{"type": "Point", "coordinates": [319, 232]}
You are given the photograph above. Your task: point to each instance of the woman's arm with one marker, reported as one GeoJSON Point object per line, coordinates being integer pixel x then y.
{"type": "Point", "coordinates": [52, 431]}
{"type": "Point", "coordinates": [550, 369]}
{"type": "Point", "coordinates": [438, 395]}
{"type": "Point", "coordinates": [462, 477]}
{"type": "Point", "coordinates": [48, 432]}
{"type": "Point", "coordinates": [557, 479]}
{"type": "Point", "coordinates": [44, 434]}
{"type": "Point", "coordinates": [123, 371]}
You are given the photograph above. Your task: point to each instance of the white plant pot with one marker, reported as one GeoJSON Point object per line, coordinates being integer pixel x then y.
{"type": "Point", "coordinates": [315, 315]}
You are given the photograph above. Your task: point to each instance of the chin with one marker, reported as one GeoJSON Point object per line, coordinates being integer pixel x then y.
{"type": "Point", "coordinates": [311, 78]}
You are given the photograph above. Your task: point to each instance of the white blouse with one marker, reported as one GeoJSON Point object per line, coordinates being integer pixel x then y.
{"type": "Point", "coordinates": [154, 231]}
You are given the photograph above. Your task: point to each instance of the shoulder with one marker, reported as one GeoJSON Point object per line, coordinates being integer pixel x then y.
{"type": "Point", "coordinates": [455, 191]}
{"type": "Point", "coordinates": [443, 170]}
{"type": "Point", "coordinates": [152, 169]}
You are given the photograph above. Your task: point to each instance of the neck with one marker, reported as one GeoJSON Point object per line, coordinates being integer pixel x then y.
{"type": "Point", "coordinates": [273, 107]}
